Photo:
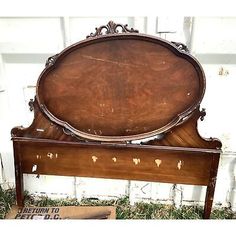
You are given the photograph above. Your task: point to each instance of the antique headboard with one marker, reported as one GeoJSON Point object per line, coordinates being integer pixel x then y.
{"type": "Point", "coordinates": [99, 95]}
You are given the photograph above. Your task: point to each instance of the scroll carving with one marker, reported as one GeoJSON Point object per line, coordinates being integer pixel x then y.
{"type": "Point", "coordinates": [112, 28]}
{"type": "Point", "coordinates": [202, 114]}
{"type": "Point", "coordinates": [51, 60]}
{"type": "Point", "coordinates": [181, 46]}
{"type": "Point", "coordinates": [31, 104]}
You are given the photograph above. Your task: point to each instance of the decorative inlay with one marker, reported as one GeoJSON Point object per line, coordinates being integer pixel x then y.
{"type": "Point", "coordinates": [136, 161]}
{"type": "Point", "coordinates": [158, 162]}
{"type": "Point", "coordinates": [94, 158]}
{"type": "Point", "coordinates": [180, 164]}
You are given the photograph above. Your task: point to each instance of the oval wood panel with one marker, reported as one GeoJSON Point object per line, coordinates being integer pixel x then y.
{"type": "Point", "coordinates": [120, 87]}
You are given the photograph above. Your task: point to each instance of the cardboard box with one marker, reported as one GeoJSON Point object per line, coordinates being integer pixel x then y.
{"type": "Point", "coordinates": [65, 212]}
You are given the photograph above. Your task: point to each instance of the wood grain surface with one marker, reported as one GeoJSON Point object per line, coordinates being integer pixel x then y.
{"type": "Point", "coordinates": [135, 162]}
{"type": "Point", "coordinates": [115, 89]}
{"type": "Point", "coordinates": [98, 95]}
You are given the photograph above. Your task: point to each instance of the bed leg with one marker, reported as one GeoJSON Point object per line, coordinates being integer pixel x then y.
{"type": "Point", "coordinates": [19, 189]}
{"type": "Point", "coordinates": [18, 177]}
{"type": "Point", "coordinates": [211, 187]}
{"type": "Point", "coordinates": [209, 199]}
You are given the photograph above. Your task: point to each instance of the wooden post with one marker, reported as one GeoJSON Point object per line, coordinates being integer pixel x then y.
{"type": "Point", "coordinates": [211, 187]}
{"type": "Point", "coordinates": [18, 175]}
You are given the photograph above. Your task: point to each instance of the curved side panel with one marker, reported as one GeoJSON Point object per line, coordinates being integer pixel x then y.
{"type": "Point", "coordinates": [187, 135]}
{"type": "Point", "coordinates": [42, 128]}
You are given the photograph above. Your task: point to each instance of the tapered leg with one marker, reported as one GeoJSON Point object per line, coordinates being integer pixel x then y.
{"type": "Point", "coordinates": [19, 189]}
{"type": "Point", "coordinates": [209, 199]}
{"type": "Point", "coordinates": [211, 187]}
{"type": "Point", "coordinates": [18, 176]}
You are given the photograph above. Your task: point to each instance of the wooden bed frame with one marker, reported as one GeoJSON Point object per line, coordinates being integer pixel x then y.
{"type": "Point", "coordinates": [99, 95]}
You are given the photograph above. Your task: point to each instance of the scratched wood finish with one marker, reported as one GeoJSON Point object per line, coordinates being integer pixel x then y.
{"type": "Point", "coordinates": [120, 87]}
{"type": "Point", "coordinates": [120, 162]}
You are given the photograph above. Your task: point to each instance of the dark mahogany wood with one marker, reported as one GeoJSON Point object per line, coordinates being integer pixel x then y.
{"type": "Point", "coordinates": [211, 187]}
{"type": "Point", "coordinates": [116, 86]}
{"type": "Point", "coordinates": [116, 161]}
{"type": "Point", "coordinates": [186, 135]}
{"type": "Point", "coordinates": [18, 174]}
{"type": "Point", "coordinates": [93, 88]}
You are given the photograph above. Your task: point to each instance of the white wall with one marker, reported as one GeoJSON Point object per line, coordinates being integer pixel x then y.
{"type": "Point", "coordinates": [26, 43]}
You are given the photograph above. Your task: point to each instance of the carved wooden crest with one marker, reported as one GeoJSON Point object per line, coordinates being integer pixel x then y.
{"type": "Point", "coordinates": [112, 28]}
{"type": "Point", "coordinates": [120, 86]}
